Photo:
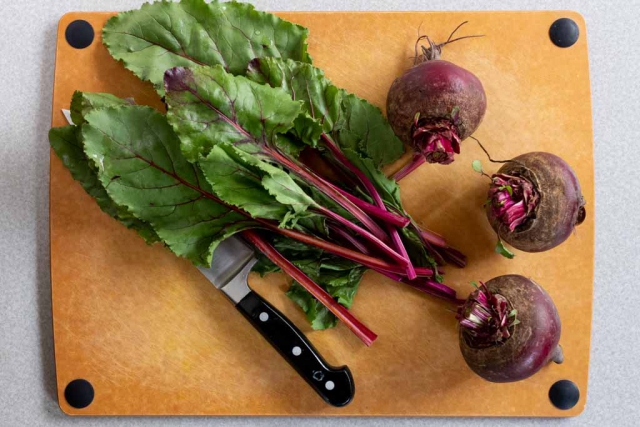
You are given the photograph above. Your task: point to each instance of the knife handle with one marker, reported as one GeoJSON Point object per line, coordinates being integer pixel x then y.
{"type": "Point", "coordinates": [334, 385]}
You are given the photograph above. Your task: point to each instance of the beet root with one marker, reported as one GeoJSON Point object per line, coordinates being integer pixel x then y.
{"type": "Point", "coordinates": [509, 329]}
{"type": "Point", "coordinates": [434, 106]}
{"type": "Point", "coordinates": [543, 203]}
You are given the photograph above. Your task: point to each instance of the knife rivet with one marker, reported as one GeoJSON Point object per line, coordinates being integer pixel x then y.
{"type": "Point", "coordinates": [329, 385]}
{"type": "Point", "coordinates": [297, 351]}
{"type": "Point", "coordinates": [263, 317]}
{"type": "Point", "coordinates": [318, 375]}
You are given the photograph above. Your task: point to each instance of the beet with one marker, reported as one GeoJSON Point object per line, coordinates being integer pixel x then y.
{"type": "Point", "coordinates": [535, 202]}
{"type": "Point", "coordinates": [434, 106]}
{"type": "Point", "coordinates": [434, 89]}
{"type": "Point", "coordinates": [509, 329]}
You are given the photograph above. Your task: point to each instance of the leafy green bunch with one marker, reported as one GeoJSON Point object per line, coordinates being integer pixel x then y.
{"type": "Point", "coordinates": [243, 102]}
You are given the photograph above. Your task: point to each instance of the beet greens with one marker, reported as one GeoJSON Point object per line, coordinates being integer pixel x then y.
{"type": "Point", "coordinates": [347, 141]}
{"type": "Point", "coordinates": [228, 156]}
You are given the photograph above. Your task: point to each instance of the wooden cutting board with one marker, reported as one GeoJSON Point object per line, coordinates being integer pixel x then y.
{"type": "Point", "coordinates": [153, 337]}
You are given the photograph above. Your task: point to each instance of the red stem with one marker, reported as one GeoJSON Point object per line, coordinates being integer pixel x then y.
{"type": "Point", "coordinates": [366, 260]}
{"type": "Point", "coordinates": [373, 192]}
{"type": "Point", "coordinates": [361, 331]}
{"type": "Point", "coordinates": [454, 256]}
{"type": "Point", "coordinates": [420, 271]}
{"type": "Point", "coordinates": [376, 212]}
{"type": "Point", "coordinates": [440, 245]}
{"type": "Point", "coordinates": [371, 189]}
{"type": "Point", "coordinates": [328, 189]}
{"type": "Point", "coordinates": [427, 286]}
{"type": "Point", "coordinates": [434, 238]}
{"type": "Point", "coordinates": [373, 239]}
{"type": "Point", "coordinates": [440, 291]}
{"type": "Point", "coordinates": [397, 241]}
{"type": "Point", "coordinates": [416, 161]}
{"type": "Point", "coordinates": [352, 240]}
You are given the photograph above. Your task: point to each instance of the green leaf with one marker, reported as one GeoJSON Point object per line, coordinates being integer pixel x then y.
{"type": "Point", "coordinates": [351, 121]}
{"type": "Point", "coordinates": [163, 35]}
{"type": "Point", "coordinates": [68, 147]}
{"type": "Point", "coordinates": [317, 314]}
{"type": "Point", "coordinates": [477, 166]}
{"type": "Point", "coordinates": [322, 100]}
{"type": "Point", "coordinates": [340, 284]}
{"type": "Point", "coordinates": [141, 166]}
{"type": "Point", "coordinates": [502, 250]}
{"type": "Point", "coordinates": [279, 184]}
{"type": "Point", "coordinates": [208, 106]}
{"type": "Point", "coordinates": [387, 187]}
{"type": "Point", "coordinates": [307, 129]}
{"type": "Point", "coordinates": [365, 129]}
{"type": "Point", "coordinates": [308, 258]}
{"type": "Point", "coordinates": [326, 201]}
{"type": "Point", "coordinates": [264, 266]}
{"type": "Point", "coordinates": [416, 249]}
{"type": "Point", "coordinates": [231, 121]}
{"type": "Point", "coordinates": [289, 145]}
{"type": "Point", "coordinates": [256, 186]}
{"type": "Point", "coordinates": [83, 102]}
{"type": "Point", "coordinates": [240, 184]}
{"type": "Point", "coordinates": [295, 247]}
{"type": "Point", "coordinates": [338, 276]}
{"type": "Point", "coordinates": [66, 144]}
{"type": "Point", "coordinates": [358, 127]}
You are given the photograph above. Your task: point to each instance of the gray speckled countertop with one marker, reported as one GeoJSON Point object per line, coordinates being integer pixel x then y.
{"type": "Point", "coordinates": [27, 46]}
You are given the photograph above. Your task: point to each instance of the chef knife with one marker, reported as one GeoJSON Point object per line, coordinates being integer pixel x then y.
{"type": "Point", "coordinates": [233, 260]}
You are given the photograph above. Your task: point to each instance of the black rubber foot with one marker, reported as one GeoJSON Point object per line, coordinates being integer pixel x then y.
{"type": "Point", "coordinates": [79, 393]}
{"type": "Point", "coordinates": [79, 34]}
{"type": "Point", "coordinates": [564, 32]}
{"type": "Point", "coordinates": [564, 394]}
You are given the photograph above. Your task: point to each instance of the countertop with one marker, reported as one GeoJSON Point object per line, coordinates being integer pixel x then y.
{"type": "Point", "coordinates": [27, 371]}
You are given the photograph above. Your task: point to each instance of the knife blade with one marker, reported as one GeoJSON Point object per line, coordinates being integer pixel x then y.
{"type": "Point", "coordinates": [232, 262]}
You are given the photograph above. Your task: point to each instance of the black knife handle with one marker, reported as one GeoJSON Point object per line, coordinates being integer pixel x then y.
{"type": "Point", "coordinates": [334, 385]}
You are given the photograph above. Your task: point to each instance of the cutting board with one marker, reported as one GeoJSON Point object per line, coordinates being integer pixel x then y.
{"type": "Point", "coordinates": [153, 337]}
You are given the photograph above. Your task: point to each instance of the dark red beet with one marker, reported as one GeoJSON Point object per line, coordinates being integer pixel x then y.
{"type": "Point", "coordinates": [547, 216]}
{"type": "Point", "coordinates": [435, 88]}
{"type": "Point", "coordinates": [499, 349]}
{"type": "Point", "coordinates": [433, 107]}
